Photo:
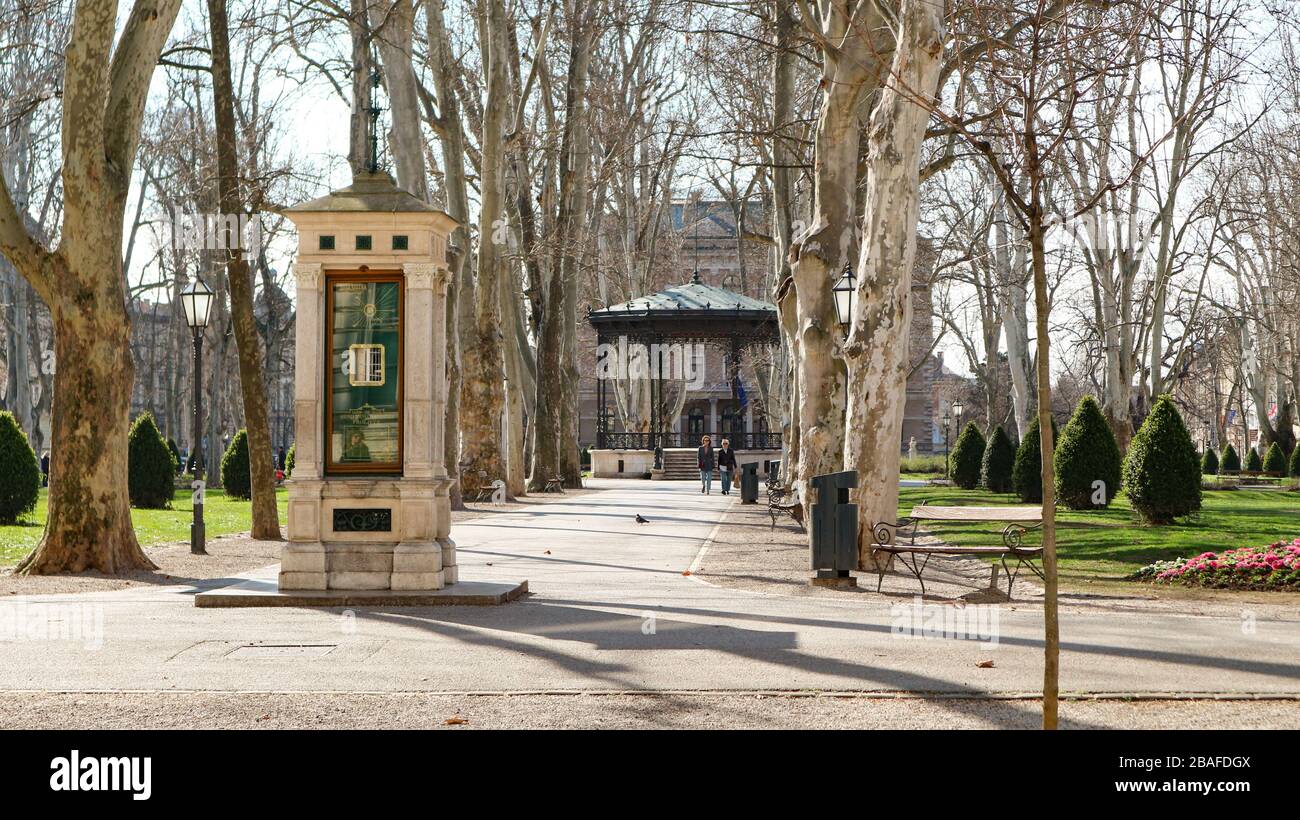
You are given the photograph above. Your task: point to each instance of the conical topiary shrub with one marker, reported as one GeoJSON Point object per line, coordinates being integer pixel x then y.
{"type": "Point", "coordinates": [1087, 454]}
{"type": "Point", "coordinates": [1253, 462]}
{"type": "Point", "coordinates": [967, 455]}
{"type": "Point", "coordinates": [1293, 466]}
{"type": "Point", "coordinates": [150, 474]}
{"type": "Point", "coordinates": [1275, 460]}
{"type": "Point", "coordinates": [1027, 474]}
{"type": "Point", "coordinates": [20, 474]}
{"type": "Point", "coordinates": [1210, 462]}
{"type": "Point", "coordinates": [1161, 476]}
{"type": "Point", "coordinates": [1230, 462]}
{"type": "Point", "coordinates": [235, 477]}
{"type": "Point", "coordinates": [288, 460]}
{"type": "Point", "coordinates": [999, 459]}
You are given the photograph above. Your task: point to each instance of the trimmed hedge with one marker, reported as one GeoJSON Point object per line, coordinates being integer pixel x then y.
{"type": "Point", "coordinates": [1230, 462]}
{"type": "Point", "coordinates": [151, 475]}
{"type": "Point", "coordinates": [967, 456]}
{"type": "Point", "coordinates": [1087, 453]}
{"type": "Point", "coordinates": [20, 473]}
{"type": "Point", "coordinates": [1275, 460]}
{"type": "Point", "coordinates": [1253, 462]}
{"type": "Point", "coordinates": [236, 479]}
{"type": "Point", "coordinates": [1210, 462]}
{"type": "Point", "coordinates": [1027, 474]}
{"type": "Point", "coordinates": [998, 462]}
{"type": "Point", "coordinates": [1161, 476]}
{"type": "Point", "coordinates": [1293, 467]}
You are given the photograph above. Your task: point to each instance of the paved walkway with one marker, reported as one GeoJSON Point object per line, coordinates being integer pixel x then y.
{"type": "Point", "coordinates": [611, 610]}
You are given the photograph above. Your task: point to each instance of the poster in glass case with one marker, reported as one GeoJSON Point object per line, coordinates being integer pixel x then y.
{"type": "Point", "coordinates": [364, 417]}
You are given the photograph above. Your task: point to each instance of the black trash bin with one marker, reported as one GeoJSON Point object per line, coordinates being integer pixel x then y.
{"type": "Point", "coordinates": [749, 483]}
{"type": "Point", "coordinates": [834, 539]}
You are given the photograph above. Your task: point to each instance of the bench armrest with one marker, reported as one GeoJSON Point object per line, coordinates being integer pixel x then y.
{"type": "Point", "coordinates": [886, 532]}
{"type": "Point", "coordinates": [1013, 535]}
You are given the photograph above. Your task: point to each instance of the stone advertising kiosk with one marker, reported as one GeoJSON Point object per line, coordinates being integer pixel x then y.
{"type": "Point", "coordinates": [368, 505]}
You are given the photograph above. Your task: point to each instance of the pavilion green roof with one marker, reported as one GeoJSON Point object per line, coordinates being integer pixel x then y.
{"type": "Point", "coordinates": [695, 297]}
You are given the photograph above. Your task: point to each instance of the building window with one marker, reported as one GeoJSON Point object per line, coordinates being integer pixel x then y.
{"type": "Point", "coordinates": [363, 390]}
{"type": "Point", "coordinates": [326, 243]}
{"type": "Point", "coordinates": [363, 243]}
{"type": "Point", "coordinates": [400, 242]}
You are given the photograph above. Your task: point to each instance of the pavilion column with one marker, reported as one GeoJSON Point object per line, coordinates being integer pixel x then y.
{"type": "Point", "coordinates": [713, 417]}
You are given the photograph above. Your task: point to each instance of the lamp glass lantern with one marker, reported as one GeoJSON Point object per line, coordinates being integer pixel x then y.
{"type": "Point", "coordinates": [957, 409]}
{"type": "Point", "coordinates": [197, 302]}
{"type": "Point", "coordinates": [844, 290]}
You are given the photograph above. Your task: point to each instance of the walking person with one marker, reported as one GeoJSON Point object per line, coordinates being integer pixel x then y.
{"type": "Point", "coordinates": [726, 463]}
{"type": "Point", "coordinates": [706, 459]}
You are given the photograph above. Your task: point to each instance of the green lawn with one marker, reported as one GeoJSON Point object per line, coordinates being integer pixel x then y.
{"type": "Point", "coordinates": [1111, 543]}
{"type": "Point", "coordinates": [222, 515]}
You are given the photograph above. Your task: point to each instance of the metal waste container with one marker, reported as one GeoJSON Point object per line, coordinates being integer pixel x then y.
{"type": "Point", "coordinates": [749, 483]}
{"type": "Point", "coordinates": [834, 519]}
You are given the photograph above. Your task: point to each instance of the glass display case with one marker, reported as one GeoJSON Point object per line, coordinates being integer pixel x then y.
{"type": "Point", "coordinates": [363, 396]}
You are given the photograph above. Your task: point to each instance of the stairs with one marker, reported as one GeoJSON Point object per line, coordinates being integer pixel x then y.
{"type": "Point", "coordinates": [680, 464]}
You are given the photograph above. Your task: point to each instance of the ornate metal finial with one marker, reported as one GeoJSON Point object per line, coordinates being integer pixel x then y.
{"type": "Point", "coordinates": [374, 109]}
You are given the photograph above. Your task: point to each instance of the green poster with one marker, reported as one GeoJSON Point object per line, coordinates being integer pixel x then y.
{"type": "Point", "coordinates": [365, 373]}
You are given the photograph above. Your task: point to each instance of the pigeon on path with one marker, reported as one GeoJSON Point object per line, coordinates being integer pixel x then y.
{"type": "Point", "coordinates": [641, 520]}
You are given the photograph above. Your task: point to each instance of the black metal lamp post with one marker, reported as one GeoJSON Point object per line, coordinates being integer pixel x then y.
{"type": "Point", "coordinates": [947, 420]}
{"type": "Point", "coordinates": [197, 302]}
{"type": "Point", "coordinates": [957, 409]}
{"type": "Point", "coordinates": [845, 290]}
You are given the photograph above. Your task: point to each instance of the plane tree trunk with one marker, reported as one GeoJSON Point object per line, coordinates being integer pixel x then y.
{"type": "Point", "coordinates": [266, 518]}
{"type": "Point", "coordinates": [82, 282]}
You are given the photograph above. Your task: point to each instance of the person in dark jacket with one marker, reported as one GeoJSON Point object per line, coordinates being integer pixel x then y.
{"type": "Point", "coordinates": [726, 463]}
{"type": "Point", "coordinates": [707, 461]}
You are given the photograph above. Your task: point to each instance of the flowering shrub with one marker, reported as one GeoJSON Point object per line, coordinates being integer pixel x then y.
{"type": "Point", "coordinates": [1276, 566]}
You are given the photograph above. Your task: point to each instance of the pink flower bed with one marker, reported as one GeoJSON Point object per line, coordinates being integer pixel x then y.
{"type": "Point", "coordinates": [1276, 566]}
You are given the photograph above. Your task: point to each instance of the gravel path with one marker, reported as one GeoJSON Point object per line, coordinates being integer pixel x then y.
{"type": "Point", "coordinates": [204, 710]}
{"type": "Point", "coordinates": [227, 556]}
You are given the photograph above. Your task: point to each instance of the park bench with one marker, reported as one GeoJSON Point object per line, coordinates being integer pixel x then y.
{"type": "Point", "coordinates": [781, 501]}
{"type": "Point", "coordinates": [554, 484]}
{"type": "Point", "coordinates": [480, 491]}
{"type": "Point", "coordinates": [885, 537]}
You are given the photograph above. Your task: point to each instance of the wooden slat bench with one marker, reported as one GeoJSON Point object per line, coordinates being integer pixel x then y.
{"type": "Point", "coordinates": [914, 556]}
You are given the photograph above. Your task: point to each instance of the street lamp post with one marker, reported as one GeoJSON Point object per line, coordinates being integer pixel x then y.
{"type": "Point", "coordinates": [947, 420]}
{"type": "Point", "coordinates": [844, 290]}
{"type": "Point", "coordinates": [197, 302]}
{"type": "Point", "coordinates": [957, 409]}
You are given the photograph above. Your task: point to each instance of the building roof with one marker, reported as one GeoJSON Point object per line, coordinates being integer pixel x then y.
{"type": "Point", "coordinates": [695, 297]}
{"type": "Point", "coordinates": [693, 310]}
{"type": "Point", "coordinates": [370, 191]}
